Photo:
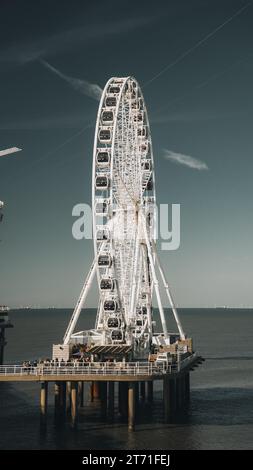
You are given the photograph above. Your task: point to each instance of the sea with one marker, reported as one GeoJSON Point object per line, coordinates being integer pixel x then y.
{"type": "Point", "coordinates": [221, 408]}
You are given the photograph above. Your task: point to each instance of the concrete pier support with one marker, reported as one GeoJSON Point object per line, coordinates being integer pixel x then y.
{"type": "Point", "coordinates": [111, 393]}
{"type": "Point", "coordinates": [60, 400]}
{"type": "Point", "coordinates": [131, 406]}
{"type": "Point", "coordinates": [94, 391]}
{"type": "Point", "coordinates": [68, 397]}
{"type": "Point", "coordinates": [122, 400]}
{"type": "Point", "coordinates": [187, 389]}
{"type": "Point", "coordinates": [137, 393]}
{"type": "Point", "coordinates": [143, 391]}
{"type": "Point", "coordinates": [81, 394]}
{"type": "Point", "coordinates": [167, 399]}
{"type": "Point", "coordinates": [57, 399]}
{"type": "Point", "coordinates": [74, 390]}
{"type": "Point", "coordinates": [178, 398]}
{"type": "Point", "coordinates": [91, 392]}
{"type": "Point", "coordinates": [150, 391]}
{"type": "Point", "coordinates": [62, 403]}
{"type": "Point", "coordinates": [103, 397]}
{"type": "Point", "coordinates": [173, 396]}
{"type": "Point", "coordinates": [181, 393]}
{"type": "Point", "coordinates": [43, 399]}
{"type": "Point", "coordinates": [176, 395]}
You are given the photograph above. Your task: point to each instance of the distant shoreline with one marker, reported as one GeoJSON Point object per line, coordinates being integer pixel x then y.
{"type": "Point", "coordinates": [94, 308]}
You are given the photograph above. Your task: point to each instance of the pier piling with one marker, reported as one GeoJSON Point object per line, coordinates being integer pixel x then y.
{"type": "Point", "coordinates": [143, 391]}
{"type": "Point", "coordinates": [150, 391]}
{"type": "Point", "coordinates": [57, 399]}
{"type": "Point", "coordinates": [74, 386]}
{"type": "Point", "coordinates": [63, 395]}
{"type": "Point", "coordinates": [103, 397]}
{"type": "Point", "coordinates": [167, 399]}
{"type": "Point", "coordinates": [111, 393]}
{"type": "Point", "coordinates": [95, 391]}
{"type": "Point", "coordinates": [81, 394]}
{"type": "Point", "coordinates": [187, 389]}
{"type": "Point", "coordinates": [68, 396]}
{"type": "Point", "coordinates": [131, 406]}
{"type": "Point", "coordinates": [43, 399]}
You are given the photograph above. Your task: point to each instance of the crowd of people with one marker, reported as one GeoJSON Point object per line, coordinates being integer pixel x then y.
{"type": "Point", "coordinates": [73, 362]}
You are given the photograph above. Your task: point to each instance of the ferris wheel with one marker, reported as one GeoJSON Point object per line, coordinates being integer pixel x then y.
{"type": "Point", "coordinates": [124, 225]}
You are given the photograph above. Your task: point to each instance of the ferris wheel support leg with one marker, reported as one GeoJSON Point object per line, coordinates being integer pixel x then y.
{"type": "Point", "coordinates": [99, 314]}
{"type": "Point", "coordinates": [145, 271]}
{"type": "Point", "coordinates": [167, 289]}
{"type": "Point", "coordinates": [155, 280]}
{"type": "Point", "coordinates": [80, 302]}
{"type": "Point", "coordinates": [136, 262]}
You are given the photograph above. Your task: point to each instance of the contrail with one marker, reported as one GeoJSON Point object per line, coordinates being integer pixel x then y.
{"type": "Point", "coordinates": [60, 146]}
{"type": "Point", "coordinates": [204, 83]}
{"type": "Point", "coordinates": [186, 160]}
{"type": "Point", "coordinates": [89, 89]}
{"type": "Point", "coordinates": [199, 43]}
{"type": "Point", "coordinates": [9, 151]}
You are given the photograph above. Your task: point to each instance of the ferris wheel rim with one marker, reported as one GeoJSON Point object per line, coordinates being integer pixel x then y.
{"type": "Point", "coordinates": [97, 146]}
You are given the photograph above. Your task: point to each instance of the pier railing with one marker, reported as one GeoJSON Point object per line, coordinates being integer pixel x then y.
{"type": "Point", "coordinates": [97, 368]}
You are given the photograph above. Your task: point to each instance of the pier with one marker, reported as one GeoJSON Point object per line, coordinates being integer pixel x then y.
{"type": "Point", "coordinates": [131, 381]}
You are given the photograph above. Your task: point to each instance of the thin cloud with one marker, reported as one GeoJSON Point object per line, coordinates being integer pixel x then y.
{"type": "Point", "coordinates": [5, 152]}
{"type": "Point", "coordinates": [185, 160]}
{"type": "Point", "coordinates": [86, 88]}
{"type": "Point", "coordinates": [67, 40]}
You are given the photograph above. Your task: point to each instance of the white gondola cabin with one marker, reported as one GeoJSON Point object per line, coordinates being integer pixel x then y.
{"type": "Point", "coordinates": [103, 158]}
{"type": "Point", "coordinates": [102, 182]}
{"type": "Point", "coordinates": [107, 284]}
{"type": "Point", "coordinates": [104, 260]}
{"type": "Point", "coordinates": [110, 305]}
{"type": "Point", "coordinates": [101, 207]}
{"type": "Point", "coordinates": [105, 135]}
{"type": "Point", "coordinates": [110, 101]}
{"type": "Point", "coordinates": [107, 117]}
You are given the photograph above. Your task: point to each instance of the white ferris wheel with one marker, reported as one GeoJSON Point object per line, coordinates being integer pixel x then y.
{"type": "Point", "coordinates": [124, 224]}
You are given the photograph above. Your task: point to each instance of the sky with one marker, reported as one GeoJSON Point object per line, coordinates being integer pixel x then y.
{"type": "Point", "coordinates": [194, 63]}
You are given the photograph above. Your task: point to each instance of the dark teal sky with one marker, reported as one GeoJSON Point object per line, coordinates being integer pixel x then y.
{"type": "Point", "coordinates": [205, 103]}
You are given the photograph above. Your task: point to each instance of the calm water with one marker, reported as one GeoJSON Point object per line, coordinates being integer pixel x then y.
{"type": "Point", "coordinates": [221, 413]}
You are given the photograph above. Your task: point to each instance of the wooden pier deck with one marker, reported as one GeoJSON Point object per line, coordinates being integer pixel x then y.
{"type": "Point", "coordinates": [99, 371]}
